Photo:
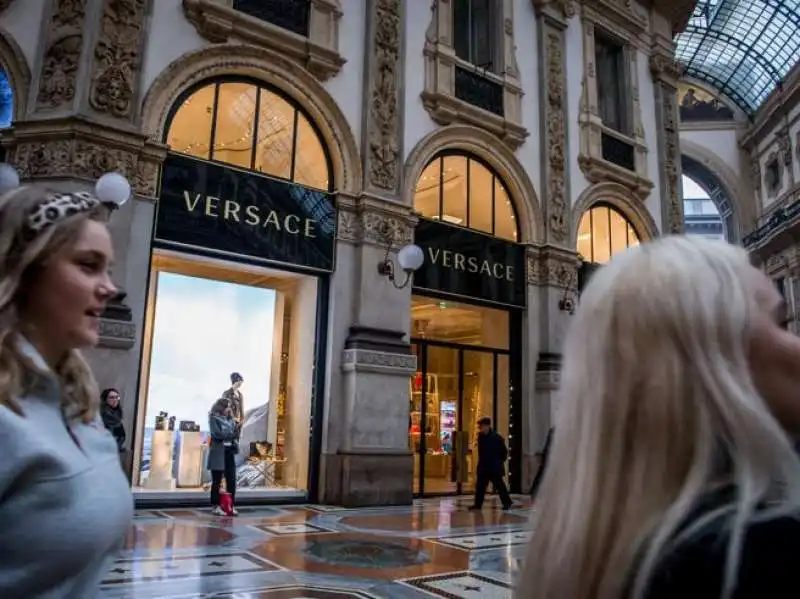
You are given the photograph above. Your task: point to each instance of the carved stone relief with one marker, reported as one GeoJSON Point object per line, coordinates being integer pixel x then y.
{"type": "Point", "coordinates": [374, 227]}
{"type": "Point", "coordinates": [118, 57]}
{"type": "Point", "coordinates": [671, 160]}
{"type": "Point", "coordinates": [784, 146]}
{"type": "Point", "coordinates": [557, 199]}
{"type": "Point", "coordinates": [557, 269]}
{"type": "Point", "coordinates": [61, 59]}
{"type": "Point", "coordinates": [383, 125]}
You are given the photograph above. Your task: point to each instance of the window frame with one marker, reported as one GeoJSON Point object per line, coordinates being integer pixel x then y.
{"type": "Point", "coordinates": [604, 38]}
{"type": "Point", "coordinates": [496, 64]}
{"type": "Point", "coordinates": [630, 226]}
{"type": "Point", "coordinates": [216, 82]}
{"type": "Point", "coordinates": [496, 178]}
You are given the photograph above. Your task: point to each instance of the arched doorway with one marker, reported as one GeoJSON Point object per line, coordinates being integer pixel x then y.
{"type": "Point", "coordinates": [466, 321]}
{"type": "Point", "coordinates": [602, 232]}
{"type": "Point", "coordinates": [243, 244]}
{"type": "Point", "coordinates": [708, 210]}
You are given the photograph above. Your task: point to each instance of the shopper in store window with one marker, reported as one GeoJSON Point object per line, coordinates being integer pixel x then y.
{"type": "Point", "coordinates": [65, 504]}
{"type": "Point", "coordinates": [224, 433]}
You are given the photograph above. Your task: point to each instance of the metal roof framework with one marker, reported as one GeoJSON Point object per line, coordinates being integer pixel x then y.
{"type": "Point", "coordinates": [743, 48]}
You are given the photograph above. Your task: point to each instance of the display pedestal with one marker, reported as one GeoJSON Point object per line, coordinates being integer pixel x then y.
{"type": "Point", "coordinates": [190, 459]}
{"type": "Point", "coordinates": [160, 477]}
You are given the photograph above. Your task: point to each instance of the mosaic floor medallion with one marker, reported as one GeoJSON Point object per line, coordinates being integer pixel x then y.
{"type": "Point", "coordinates": [364, 554]}
{"type": "Point", "coordinates": [300, 528]}
{"type": "Point", "coordinates": [462, 585]}
{"type": "Point", "coordinates": [291, 592]}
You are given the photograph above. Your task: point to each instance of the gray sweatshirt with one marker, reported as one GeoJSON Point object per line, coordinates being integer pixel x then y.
{"type": "Point", "coordinates": [65, 504]}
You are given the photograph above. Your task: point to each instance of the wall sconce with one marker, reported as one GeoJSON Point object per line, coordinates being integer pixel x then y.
{"type": "Point", "coordinates": [410, 258]}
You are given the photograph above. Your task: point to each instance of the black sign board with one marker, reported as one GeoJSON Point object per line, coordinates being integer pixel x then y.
{"type": "Point", "coordinates": [463, 263]}
{"type": "Point", "coordinates": [232, 213]}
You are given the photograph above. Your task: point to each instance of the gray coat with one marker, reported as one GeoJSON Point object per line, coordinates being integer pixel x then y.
{"type": "Point", "coordinates": [222, 429]}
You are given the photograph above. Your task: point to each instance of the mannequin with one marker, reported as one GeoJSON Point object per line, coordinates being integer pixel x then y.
{"type": "Point", "coordinates": [235, 397]}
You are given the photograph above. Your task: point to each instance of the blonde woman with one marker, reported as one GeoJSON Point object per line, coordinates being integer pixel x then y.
{"type": "Point", "coordinates": [673, 472]}
{"type": "Point", "coordinates": [65, 503]}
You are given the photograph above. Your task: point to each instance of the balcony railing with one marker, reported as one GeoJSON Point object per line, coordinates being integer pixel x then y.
{"type": "Point", "coordinates": [479, 91]}
{"type": "Point", "coordinates": [778, 220]}
{"type": "Point", "coordinates": [292, 15]}
{"type": "Point", "coordinates": [618, 152]}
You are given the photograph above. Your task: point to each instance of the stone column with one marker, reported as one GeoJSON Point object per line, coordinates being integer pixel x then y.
{"type": "Point", "coordinates": [366, 458]}
{"type": "Point", "coordinates": [666, 74]}
{"type": "Point", "coordinates": [551, 265]}
{"type": "Point", "coordinates": [81, 122]}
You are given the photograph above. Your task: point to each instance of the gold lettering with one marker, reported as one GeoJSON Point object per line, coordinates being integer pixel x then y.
{"type": "Point", "coordinates": [309, 228]}
{"type": "Point", "coordinates": [510, 273]}
{"type": "Point", "coordinates": [231, 210]}
{"type": "Point", "coordinates": [495, 268]}
{"type": "Point", "coordinates": [472, 264]}
{"type": "Point", "coordinates": [287, 224]}
{"type": "Point", "coordinates": [485, 270]}
{"type": "Point", "coordinates": [212, 205]}
{"type": "Point", "coordinates": [191, 204]}
{"type": "Point", "coordinates": [447, 256]}
{"type": "Point", "coordinates": [272, 219]}
{"type": "Point", "coordinates": [253, 217]}
{"type": "Point", "coordinates": [434, 255]}
{"type": "Point", "coordinates": [459, 263]}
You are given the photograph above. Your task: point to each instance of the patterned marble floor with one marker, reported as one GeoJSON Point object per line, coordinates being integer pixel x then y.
{"type": "Point", "coordinates": [435, 548]}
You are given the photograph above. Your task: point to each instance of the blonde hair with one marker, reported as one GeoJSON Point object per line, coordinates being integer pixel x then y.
{"type": "Point", "coordinates": [656, 409]}
{"type": "Point", "coordinates": [22, 254]}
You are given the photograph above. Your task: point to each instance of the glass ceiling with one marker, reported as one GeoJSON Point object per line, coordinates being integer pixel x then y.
{"type": "Point", "coordinates": [744, 48]}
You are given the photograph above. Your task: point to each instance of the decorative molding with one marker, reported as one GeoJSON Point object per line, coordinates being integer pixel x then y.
{"type": "Point", "coordinates": [626, 15]}
{"type": "Point", "coordinates": [665, 68]}
{"type": "Point", "coordinates": [268, 66]}
{"type": "Point", "coordinates": [595, 167]}
{"type": "Point", "coordinates": [669, 157]}
{"type": "Point", "coordinates": [554, 135]}
{"type": "Point", "coordinates": [118, 58]}
{"type": "Point", "coordinates": [500, 157]}
{"type": "Point", "coordinates": [442, 64]}
{"type": "Point", "coordinates": [562, 10]}
{"type": "Point", "coordinates": [76, 149]}
{"type": "Point", "coordinates": [384, 89]}
{"type": "Point", "coordinates": [755, 173]}
{"type": "Point", "coordinates": [219, 22]}
{"type": "Point", "coordinates": [551, 266]}
{"type": "Point", "coordinates": [773, 174]}
{"type": "Point", "coordinates": [784, 142]}
{"type": "Point", "coordinates": [63, 45]}
{"type": "Point", "coordinates": [117, 335]}
{"type": "Point", "coordinates": [364, 359]}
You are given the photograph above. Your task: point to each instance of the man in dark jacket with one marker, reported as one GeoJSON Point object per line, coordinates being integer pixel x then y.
{"type": "Point", "coordinates": [492, 456]}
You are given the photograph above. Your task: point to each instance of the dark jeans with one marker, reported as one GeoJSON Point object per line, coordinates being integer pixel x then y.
{"type": "Point", "coordinates": [230, 477]}
{"type": "Point", "coordinates": [496, 478]}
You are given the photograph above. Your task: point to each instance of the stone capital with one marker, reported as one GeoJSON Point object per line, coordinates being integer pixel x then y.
{"type": "Point", "coordinates": [372, 220]}
{"type": "Point", "coordinates": [559, 10]}
{"type": "Point", "coordinates": [552, 266]}
{"type": "Point", "coordinates": [76, 148]}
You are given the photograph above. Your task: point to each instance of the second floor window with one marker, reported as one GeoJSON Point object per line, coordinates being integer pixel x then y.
{"type": "Point", "coordinates": [610, 74]}
{"type": "Point", "coordinates": [474, 33]}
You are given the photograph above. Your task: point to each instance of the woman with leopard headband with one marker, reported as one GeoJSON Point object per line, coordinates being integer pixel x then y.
{"type": "Point", "coordinates": [61, 485]}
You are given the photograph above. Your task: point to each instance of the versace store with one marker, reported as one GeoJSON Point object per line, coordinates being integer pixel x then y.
{"type": "Point", "coordinates": [243, 245]}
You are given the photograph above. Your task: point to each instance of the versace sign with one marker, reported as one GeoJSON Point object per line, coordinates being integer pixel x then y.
{"type": "Point", "coordinates": [468, 264]}
{"type": "Point", "coordinates": [224, 211]}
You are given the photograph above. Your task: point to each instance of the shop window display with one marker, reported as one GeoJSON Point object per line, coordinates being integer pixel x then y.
{"type": "Point", "coordinates": [230, 342]}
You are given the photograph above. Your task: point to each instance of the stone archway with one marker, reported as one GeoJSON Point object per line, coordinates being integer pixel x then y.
{"type": "Point", "coordinates": [620, 198]}
{"type": "Point", "coordinates": [261, 64]}
{"type": "Point", "coordinates": [13, 62]}
{"type": "Point", "coordinates": [497, 155]}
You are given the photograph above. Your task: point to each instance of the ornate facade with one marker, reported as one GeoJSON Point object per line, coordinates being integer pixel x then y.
{"type": "Point", "coordinates": [525, 147]}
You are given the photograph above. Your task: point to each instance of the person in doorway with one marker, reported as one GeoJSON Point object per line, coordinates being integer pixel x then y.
{"type": "Point", "coordinates": [222, 453]}
{"type": "Point", "coordinates": [537, 481]}
{"type": "Point", "coordinates": [234, 395]}
{"type": "Point", "coordinates": [492, 456]}
{"type": "Point", "coordinates": [111, 412]}
{"type": "Point", "coordinates": [65, 504]}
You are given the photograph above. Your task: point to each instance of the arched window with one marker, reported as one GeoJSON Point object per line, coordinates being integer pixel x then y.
{"type": "Point", "coordinates": [6, 100]}
{"type": "Point", "coordinates": [461, 190]}
{"type": "Point", "coordinates": [251, 126]}
{"type": "Point", "coordinates": [603, 232]}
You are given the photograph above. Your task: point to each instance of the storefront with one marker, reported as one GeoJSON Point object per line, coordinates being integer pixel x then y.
{"type": "Point", "coordinates": [467, 310]}
{"type": "Point", "coordinates": [243, 245]}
